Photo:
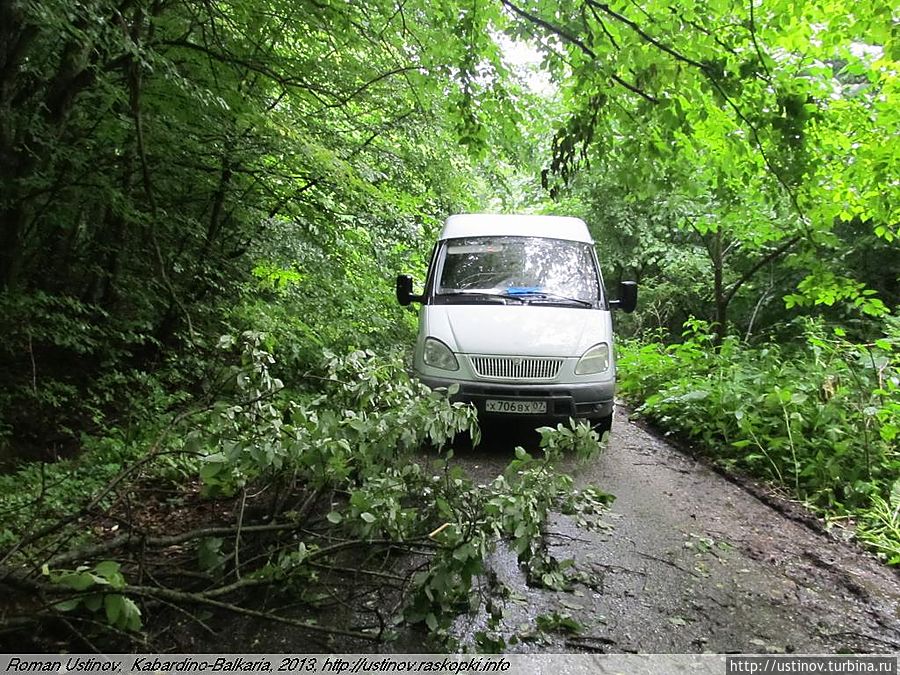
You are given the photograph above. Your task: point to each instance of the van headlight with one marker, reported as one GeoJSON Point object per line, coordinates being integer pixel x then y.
{"type": "Point", "coordinates": [438, 355]}
{"type": "Point", "coordinates": [594, 360]}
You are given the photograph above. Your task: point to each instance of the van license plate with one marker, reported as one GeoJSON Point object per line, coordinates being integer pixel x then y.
{"type": "Point", "coordinates": [518, 407]}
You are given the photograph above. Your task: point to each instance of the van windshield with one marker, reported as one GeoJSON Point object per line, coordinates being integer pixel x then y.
{"type": "Point", "coordinates": [536, 269]}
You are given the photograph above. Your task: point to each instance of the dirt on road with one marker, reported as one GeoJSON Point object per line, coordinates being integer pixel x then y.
{"type": "Point", "coordinates": [687, 561]}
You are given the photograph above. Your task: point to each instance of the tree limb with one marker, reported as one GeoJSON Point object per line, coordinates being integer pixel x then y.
{"type": "Point", "coordinates": [200, 599]}
{"type": "Point", "coordinates": [568, 37]}
{"type": "Point", "coordinates": [759, 53]}
{"type": "Point", "coordinates": [138, 539]}
{"type": "Point", "coordinates": [772, 255]}
{"type": "Point", "coordinates": [606, 9]}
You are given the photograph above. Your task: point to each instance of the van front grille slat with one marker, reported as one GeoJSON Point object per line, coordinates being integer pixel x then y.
{"type": "Point", "coordinates": [516, 367]}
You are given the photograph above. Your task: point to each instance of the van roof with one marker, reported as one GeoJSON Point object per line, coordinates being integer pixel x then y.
{"type": "Point", "coordinates": [487, 224]}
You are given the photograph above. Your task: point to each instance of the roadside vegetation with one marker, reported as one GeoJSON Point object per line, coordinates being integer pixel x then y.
{"type": "Point", "coordinates": [204, 408]}
{"type": "Point", "coordinates": [817, 417]}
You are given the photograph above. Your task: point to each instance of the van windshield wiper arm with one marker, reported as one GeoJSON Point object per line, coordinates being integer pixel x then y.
{"type": "Point", "coordinates": [490, 294]}
{"type": "Point", "coordinates": [540, 294]}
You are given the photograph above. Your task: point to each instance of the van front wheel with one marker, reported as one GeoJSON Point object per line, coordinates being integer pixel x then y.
{"type": "Point", "coordinates": [602, 424]}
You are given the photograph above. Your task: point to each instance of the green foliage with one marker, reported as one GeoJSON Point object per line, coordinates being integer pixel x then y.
{"type": "Point", "coordinates": [39, 494]}
{"type": "Point", "coordinates": [354, 429]}
{"type": "Point", "coordinates": [265, 169]}
{"type": "Point", "coordinates": [270, 167]}
{"type": "Point", "coordinates": [96, 591]}
{"type": "Point", "coordinates": [342, 301]}
{"type": "Point", "coordinates": [710, 92]}
{"type": "Point", "coordinates": [559, 623]}
{"type": "Point", "coordinates": [587, 505]}
{"type": "Point", "coordinates": [577, 439]}
{"type": "Point", "coordinates": [366, 414]}
{"type": "Point", "coordinates": [879, 526]}
{"type": "Point", "coordinates": [512, 507]}
{"type": "Point", "coordinates": [358, 435]}
{"type": "Point", "coordinates": [728, 156]}
{"type": "Point", "coordinates": [820, 418]}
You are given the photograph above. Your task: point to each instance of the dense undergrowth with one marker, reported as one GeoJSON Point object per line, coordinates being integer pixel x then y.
{"type": "Point", "coordinates": [818, 416]}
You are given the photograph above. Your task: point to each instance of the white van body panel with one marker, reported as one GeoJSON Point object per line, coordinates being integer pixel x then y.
{"type": "Point", "coordinates": [481, 224]}
{"type": "Point", "coordinates": [516, 329]}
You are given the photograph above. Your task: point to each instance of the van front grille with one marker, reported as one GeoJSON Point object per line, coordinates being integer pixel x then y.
{"type": "Point", "coordinates": [515, 367]}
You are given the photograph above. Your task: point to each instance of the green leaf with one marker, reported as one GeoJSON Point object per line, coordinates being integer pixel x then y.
{"type": "Point", "coordinates": [895, 494]}
{"type": "Point", "coordinates": [109, 571]}
{"type": "Point", "coordinates": [94, 602]}
{"type": "Point", "coordinates": [67, 605]}
{"type": "Point", "coordinates": [209, 554]}
{"type": "Point", "coordinates": [130, 615]}
{"type": "Point", "coordinates": [115, 607]}
{"type": "Point", "coordinates": [78, 581]}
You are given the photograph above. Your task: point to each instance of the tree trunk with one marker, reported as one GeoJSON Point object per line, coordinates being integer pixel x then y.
{"type": "Point", "coordinates": [12, 227]}
{"type": "Point", "coordinates": [720, 320]}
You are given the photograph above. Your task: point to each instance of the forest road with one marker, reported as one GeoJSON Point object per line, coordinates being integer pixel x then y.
{"type": "Point", "coordinates": [688, 561]}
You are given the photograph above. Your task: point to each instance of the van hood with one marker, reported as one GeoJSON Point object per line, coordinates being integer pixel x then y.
{"type": "Point", "coordinates": [522, 330]}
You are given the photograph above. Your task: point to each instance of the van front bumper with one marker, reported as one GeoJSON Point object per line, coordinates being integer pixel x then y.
{"type": "Point", "coordinates": [588, 400]}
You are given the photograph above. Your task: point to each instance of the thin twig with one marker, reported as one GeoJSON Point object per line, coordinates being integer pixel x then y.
{"type": "Point", "coordinates": [33, 365]}
{"type": "Point", "coordinates": [237, 535]}
{"type": "Point", "coordinates": [153, 454]}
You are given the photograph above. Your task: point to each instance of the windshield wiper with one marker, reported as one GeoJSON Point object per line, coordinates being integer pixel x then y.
{"type": "Point", "coordinates": [539, 294]}
{"type": "Point", "coordinates": [490, 294]}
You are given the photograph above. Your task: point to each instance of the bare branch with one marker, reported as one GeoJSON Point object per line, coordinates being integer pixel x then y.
{"type": "Point", "coordinates": [603, 27]}
{"type": "Point", "coordinates": [200, 599]}
{"type": "Point", "coordinates": [349, 97]}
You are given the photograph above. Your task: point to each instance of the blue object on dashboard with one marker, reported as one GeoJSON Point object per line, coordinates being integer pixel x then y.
{"type": "Point", "coordinates": [523, 290]}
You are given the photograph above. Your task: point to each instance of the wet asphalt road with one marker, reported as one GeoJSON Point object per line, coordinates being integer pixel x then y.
{"type": "Point", "coordinates": [688, 561]}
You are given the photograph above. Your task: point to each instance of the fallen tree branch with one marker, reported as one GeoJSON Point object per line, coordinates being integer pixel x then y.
{"type": "Point", "coordinates": [159, 542]}
{"type": "Point", "coordinates": [364, 572]}
{"type": "Point", "coordinates": [200, 599]}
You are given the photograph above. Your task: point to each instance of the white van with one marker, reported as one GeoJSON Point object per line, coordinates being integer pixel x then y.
{"type": "Point", "coordinates": [515, 313]}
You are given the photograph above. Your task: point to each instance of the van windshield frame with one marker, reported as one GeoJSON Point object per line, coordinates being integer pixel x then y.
{"type": "Point", "coordinates": [504, 269]}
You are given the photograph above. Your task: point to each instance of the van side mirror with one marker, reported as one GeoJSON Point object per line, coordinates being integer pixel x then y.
{"type": "Point", "coordinates": [405, 290]}
{"type": "Point", "coordinates": [627, 297]}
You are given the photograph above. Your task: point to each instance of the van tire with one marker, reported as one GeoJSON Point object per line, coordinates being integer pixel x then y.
{"type": "Point", "coordinates": [602, 424]}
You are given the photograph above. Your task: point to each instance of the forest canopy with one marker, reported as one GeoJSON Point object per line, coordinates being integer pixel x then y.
{"type": "Point", "coordinates": [203, 207]}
